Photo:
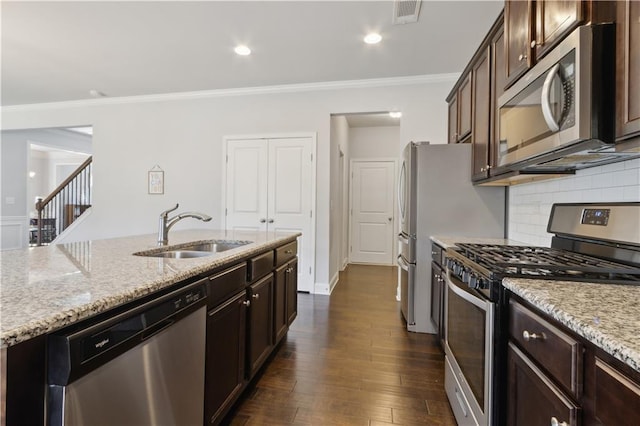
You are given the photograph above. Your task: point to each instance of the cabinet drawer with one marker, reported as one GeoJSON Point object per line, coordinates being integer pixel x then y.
{"type": "Point", "coordinates": [552, 349]}
{"type": "Point", "coordinates": [437, 254]}
{"type": "Point", "coordinates": [286, 253]}
{"type": "Point", "coordinates": [226, 283]}
{"type": "Point", "coordinates": [260, 266]}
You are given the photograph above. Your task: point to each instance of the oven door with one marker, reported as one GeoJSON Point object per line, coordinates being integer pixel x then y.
{"type": "Point", "coordinates": [469, 353]}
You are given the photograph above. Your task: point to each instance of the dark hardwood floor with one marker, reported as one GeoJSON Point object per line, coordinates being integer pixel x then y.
{"type": "Point", "coordinates": [348, 360]}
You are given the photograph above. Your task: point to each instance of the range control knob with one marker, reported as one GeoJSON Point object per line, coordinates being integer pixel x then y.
{"type": "Point", "coordinates": [472, 281]}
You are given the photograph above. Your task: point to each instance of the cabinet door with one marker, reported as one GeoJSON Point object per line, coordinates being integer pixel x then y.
{"type": "Point", "coordinates": [498, 81]}
{"type": "Point", "coordinates": [225, 356]}
{"type": "Point", "coordinates": [437, 302]}
{"type": "Point", "coordinates": [554, 20]}
{"type": "Point", "coordinates": [517, 29]}
{"type": "Point", "coordinates": [481, 84]}
{"type": "Point", "coordinates": [292, 292]}
{"type": "Point", "coordinates": [280, 296]}
{"type": "Point", "coordinates": [464, 108]}
{"type": "Point", "coordinates": [617, 398]}
{"type": "Point", "coordinates": [453, 120]}
{"type": "Point", "coordinates": [532, 399]}
{"type": "Point", "coordinates": [260, 323]}
{"type": "Point", "coordinates": [628, 68]}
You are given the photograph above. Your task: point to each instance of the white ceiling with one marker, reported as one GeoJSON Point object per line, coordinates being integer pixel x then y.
{"type": "Point", "coordinates": [59, 51]}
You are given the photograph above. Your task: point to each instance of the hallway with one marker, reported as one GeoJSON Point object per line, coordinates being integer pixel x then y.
{"type": "Point", "coordinates": [348, 360]}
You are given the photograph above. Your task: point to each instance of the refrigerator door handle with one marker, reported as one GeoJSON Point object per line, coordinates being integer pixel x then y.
{"type": "Point", "coordinates": [402, 184]}
{"type": "Point", "coordinates": [403, 263]}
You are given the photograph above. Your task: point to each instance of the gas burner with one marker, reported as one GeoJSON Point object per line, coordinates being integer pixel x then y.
{"type": "Point", "coordinates": [499, 261]}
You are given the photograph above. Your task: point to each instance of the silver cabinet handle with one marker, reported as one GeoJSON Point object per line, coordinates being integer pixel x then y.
{"type": "Point", "coordinates": [532, 336]}
{"type": "Point", "coordinates": [288, 252]}
{"type": "Point", "coordinates": [256, 296]}
{"type": "Point", "coordinates": [522, 57]}
{"type": "Point", "coordinates": [263, 220]}
{"type": "Point", "coordinates": [556, 422]}
{"type": "Point", "coordinates": [247, 303]}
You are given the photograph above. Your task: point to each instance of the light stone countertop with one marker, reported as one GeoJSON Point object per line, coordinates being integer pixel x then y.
{"type": "Point", "coordinates": [447, 242]}
{"type": "Point", "coordinates": [46, 288]}
{"type": "Point", "coordinates": [608, 315]}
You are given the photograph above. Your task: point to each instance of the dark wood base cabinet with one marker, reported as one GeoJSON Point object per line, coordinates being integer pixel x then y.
{"type": "Point", "coordinates": [533, 399]}
{"type": "Point", "coordinates": [556, 377]}
{"type": "Point", "coordinates": [260, 330]}
{"type": "Point", "coordinates": [225, 359]}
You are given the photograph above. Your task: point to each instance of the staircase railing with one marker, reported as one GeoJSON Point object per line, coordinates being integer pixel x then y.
{"type": "Point", "coordinates": [64, 205]}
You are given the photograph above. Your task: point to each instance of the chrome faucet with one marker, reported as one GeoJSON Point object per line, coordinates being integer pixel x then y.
{"type": "Point", "coordinates": [165, 223]}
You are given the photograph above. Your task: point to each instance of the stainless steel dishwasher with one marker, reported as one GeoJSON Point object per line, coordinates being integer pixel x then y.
{"type": "Point", "coordinates": [144, 366]}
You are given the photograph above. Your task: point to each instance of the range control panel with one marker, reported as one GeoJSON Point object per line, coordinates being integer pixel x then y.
{"type": "Point", "coordinates": [596, 217]}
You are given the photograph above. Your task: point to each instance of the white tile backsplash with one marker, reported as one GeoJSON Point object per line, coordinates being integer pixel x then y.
{"type": "Point", "coordinates": [530, 204]}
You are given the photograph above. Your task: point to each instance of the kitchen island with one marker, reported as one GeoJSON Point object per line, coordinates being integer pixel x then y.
{"type": "Point", "coordinates": [46, 289]}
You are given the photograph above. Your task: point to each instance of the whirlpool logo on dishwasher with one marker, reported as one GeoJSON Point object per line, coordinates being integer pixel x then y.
{"type": "Point", "coordinates": [101, 343]}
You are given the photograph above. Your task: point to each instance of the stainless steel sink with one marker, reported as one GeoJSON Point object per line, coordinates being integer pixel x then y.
{"type": "Point", "coordinates": [178, 254]}
{"type": "Point", "coordinates": [196, 249]}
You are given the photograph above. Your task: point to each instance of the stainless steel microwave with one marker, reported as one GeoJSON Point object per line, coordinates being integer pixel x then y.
{"type": "Point", "coordinates": [562, 111]}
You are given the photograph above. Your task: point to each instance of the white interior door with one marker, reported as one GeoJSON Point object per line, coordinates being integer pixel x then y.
{"type": "Point", "coordinates": [372, 212]}
{"type": "Point", "coordinates": [289, 198]}
{"type": "Point", "coordinates": [270, 188]}
{"type": "Point", "coordinates": [247, 167]}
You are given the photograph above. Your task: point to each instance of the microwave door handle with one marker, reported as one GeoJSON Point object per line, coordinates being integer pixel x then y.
{"type": "Point", "coordinates": [546, 99]}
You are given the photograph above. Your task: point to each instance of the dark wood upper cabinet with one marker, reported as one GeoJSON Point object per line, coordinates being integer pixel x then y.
{"type": "Point", "coordinates": [532, 28]}
{"type": "Point", "coordinates": [517, 29]}
{"type": "Point", "coordinates": [453, 120]}
{"type": "Point", "coordinates": [460, 110]}
{"type": "Point", "coordinates": [498, 81]}
{"type": "Point", "coordinates": [554, 20]}
{"type": "Point", "coordinates": [481, 83]}
{"type": "Point", "coordinates": [628, 69]}
{"type": "Point", "coordinates": [464, 108]}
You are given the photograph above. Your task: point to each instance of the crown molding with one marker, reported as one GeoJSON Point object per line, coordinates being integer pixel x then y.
{"type": "Point", "coordinates": [244, 91]}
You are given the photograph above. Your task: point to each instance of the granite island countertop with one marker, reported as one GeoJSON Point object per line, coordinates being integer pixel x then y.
{"type": "Point", "coordinates": [607, 315]}
{"type": "Point", "coordinates": [46, 288]}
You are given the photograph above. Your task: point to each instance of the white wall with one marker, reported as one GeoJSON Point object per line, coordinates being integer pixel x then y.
{"type": "Point", "coordinates": [375, 142]}
{"type": "Point", "coordinates": [339, 143]}
{"type": "Point", "coordinates": [530, 204]}
{"type": "Point", "coordinates": [183, 134]}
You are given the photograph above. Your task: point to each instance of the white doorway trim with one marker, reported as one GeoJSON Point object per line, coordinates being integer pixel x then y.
{"type": "Point", "coordinates": [316, 288]}
{"type": "Point", "coordinates": [394, 210]}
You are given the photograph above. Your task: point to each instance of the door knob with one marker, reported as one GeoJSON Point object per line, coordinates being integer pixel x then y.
{"type": "Point", "coordinates": [390, 219]}
{"type": "Point", "coordinates": [270, 220]}
{"type": "Point", "coordinates": [263, 220]}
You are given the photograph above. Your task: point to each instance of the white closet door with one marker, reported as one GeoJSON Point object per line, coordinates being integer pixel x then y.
{"type": "Point", "coordinates": [290, 192]}
{"type": "Point", "coordinates": [246, 203]}
{"type": "Point", "coordinates": [270, 188]}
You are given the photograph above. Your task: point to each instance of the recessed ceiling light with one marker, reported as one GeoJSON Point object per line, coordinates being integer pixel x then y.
{"type": "Point", "coordinates": [372, 38]}
{"type": "Point", "coordinates": [242, 50]}
{"type": "Point", "coordinates": [32, 174]}
{"type": "Point", "coordinates": [96, 93]}
{"type": "Point", "coordinates": [395, 114]}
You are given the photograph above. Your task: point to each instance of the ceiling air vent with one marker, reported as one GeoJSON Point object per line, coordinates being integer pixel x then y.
{"type": "Point", "coordinates": [406, 11]}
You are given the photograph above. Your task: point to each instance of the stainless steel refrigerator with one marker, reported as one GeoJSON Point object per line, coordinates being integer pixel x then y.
{"type": "Point", "coordinates": [436, 197]}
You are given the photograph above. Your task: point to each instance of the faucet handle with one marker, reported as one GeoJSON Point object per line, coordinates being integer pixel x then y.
{"type": "Point", "coordinates": [166, 212]}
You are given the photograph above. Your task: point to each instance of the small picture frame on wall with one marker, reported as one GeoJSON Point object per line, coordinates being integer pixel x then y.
{"type": "Point", "coordinates": [156, 181]}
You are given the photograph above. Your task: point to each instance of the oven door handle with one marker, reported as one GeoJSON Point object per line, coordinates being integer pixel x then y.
{"type": "Point", "coordinates": [480, 303]}
{"type": "Point", "coordinates": [545, 100]}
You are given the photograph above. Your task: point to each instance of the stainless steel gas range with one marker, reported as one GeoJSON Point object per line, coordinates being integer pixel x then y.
{"type": "Point", "coordinates": [594, 242]}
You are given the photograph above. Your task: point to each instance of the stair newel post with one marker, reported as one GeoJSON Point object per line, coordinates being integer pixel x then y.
{"type": "Point", "coordinates": [39, 224]}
